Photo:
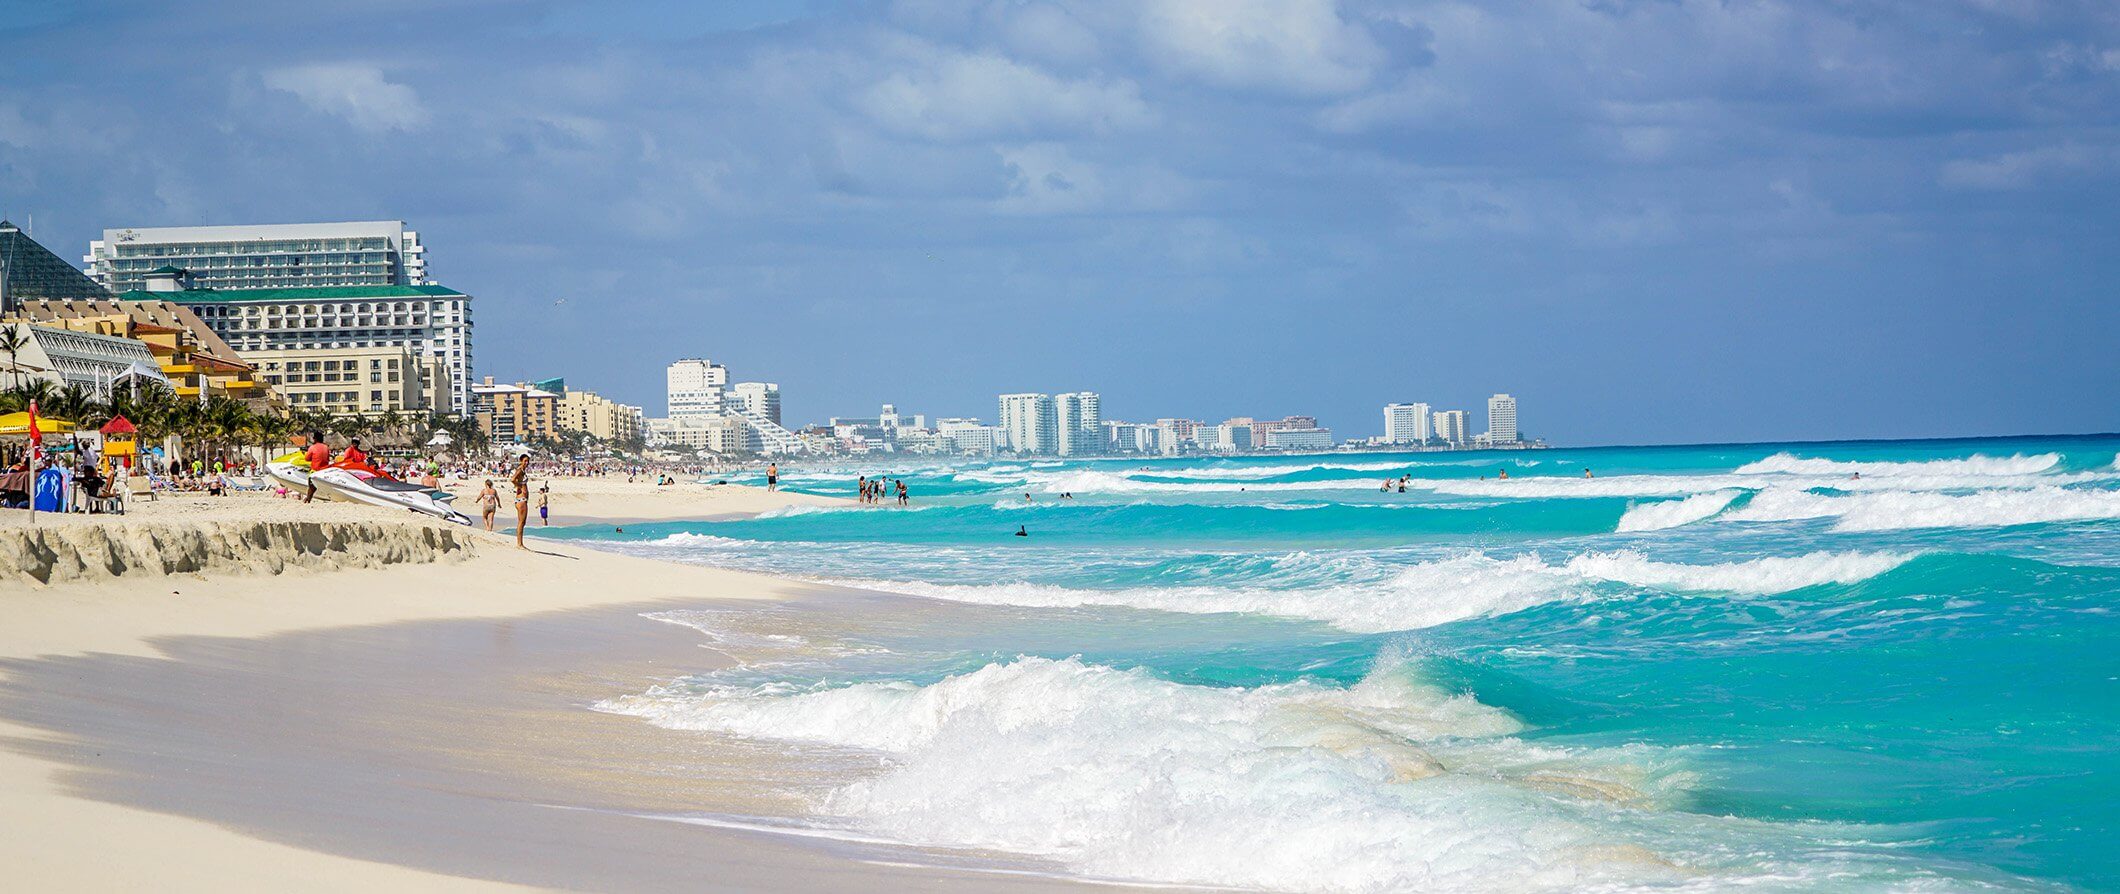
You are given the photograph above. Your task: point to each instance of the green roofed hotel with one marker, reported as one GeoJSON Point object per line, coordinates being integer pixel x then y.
{"type": "Point", "coordinates": [426, 320]}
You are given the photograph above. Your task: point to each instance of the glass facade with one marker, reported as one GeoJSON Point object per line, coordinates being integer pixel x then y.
{"type": "Point", "coordinates": [32, 271]}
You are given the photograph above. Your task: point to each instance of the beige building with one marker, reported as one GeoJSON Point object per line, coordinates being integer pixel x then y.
{"type": "Point", "coordinates": [344, 381]}
{"type": "Point", "coordinates": [599, 417]}
{"type": "Point", "coordinates": [515, 414]}
{"type": "Point", "coordinates": [190, 355]}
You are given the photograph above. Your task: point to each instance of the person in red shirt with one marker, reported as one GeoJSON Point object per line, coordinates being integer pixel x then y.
{"type": "Point", "coordinates": [319, 457]}
{"type": "Point", "coordinates": [354, 456]}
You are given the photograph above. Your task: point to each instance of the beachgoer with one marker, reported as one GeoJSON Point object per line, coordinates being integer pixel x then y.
{"type": "Point", "coordinates": [319, 455]}
{"type": "Point", "coordinates": [902, 498]}
{"type": "Point", "coordinates": [1505, 475]}
{"type": "Point", "coordinates": [489, 502]}
{"type": "Point", "coordinates": [773, 477]}
{"type": "Point", "coordinates": [354, 456]}
{"type": "Point", "coordinates": [1586, 474]}
{"type": "Point", "coordinates": [1022, 531]}
{"type": "Point", "coordinates": [1402, 486]}
{"type": "Point", "coordinates": [521, 481]}
{"type": "Point", "coordinates": [544, 509]}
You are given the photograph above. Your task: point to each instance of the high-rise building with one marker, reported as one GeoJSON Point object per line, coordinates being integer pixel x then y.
{"type": "Point", "coordinates": [697, 388]}
{"type": "Point", "coordinates": [271, 256]}
{"type": "Point", "coordinates": [1030, 423]}
{"type": "Point", "coordinates": [969, 436]}
{"type": "Point", "coordinates": [1501, 419]}
{"type": "Point", "coordinates": [1407, 423]}
{"type": "Point", "coordinates": [600, 417]}
{"type": "Point", "coordinates": [1078, 421]}
{"type": "Point", "coordinates": [29, 270]}
{"type": "Point", "coordinates": [344, 381]}
{"type": "Point", "coordinates": [1453, 426]}
{"type": "Point", "coordinates": [1312, 438]}
{"type": "Point", "coordinates": [427, 320]}
{"type": "Point", "coordinates": [762, 398]}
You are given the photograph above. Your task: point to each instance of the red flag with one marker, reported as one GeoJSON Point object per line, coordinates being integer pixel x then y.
{"type": "Point", "coordinates": [35, 437]}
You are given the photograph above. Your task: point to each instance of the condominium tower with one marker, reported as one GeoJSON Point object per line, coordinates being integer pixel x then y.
{"type": "Point", "coordinates": [1407, 423]}
{"type": "Point", "coordinates": [1453, 426]}
{"type": "Point", "coordinates": [1030, 423]}
{"type": "Point", "coordinates": [1078, 423]}
{"type": "Point", "coordinates": [1501, 419]}
{"type": "Point", "coordinates": [761, 398]}
{"type": "Point", "coordinates": [697, 387]}
{"type": "Point", "coordinates": [271, 256]}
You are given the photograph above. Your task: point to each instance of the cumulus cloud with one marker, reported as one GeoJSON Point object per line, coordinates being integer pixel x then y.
{"type": "Point", "coordinates": [1295, 46]}
{"type": "Point", "coordinates": [949, 95]}
{"type": "Point", "coordinates": [356, 92]}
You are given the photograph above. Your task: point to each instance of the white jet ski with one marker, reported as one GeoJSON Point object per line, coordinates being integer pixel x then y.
{"type": "Point", "coordinates": [357, 486]}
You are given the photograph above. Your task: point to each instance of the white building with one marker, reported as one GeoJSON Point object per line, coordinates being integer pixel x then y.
{"type": "Point", "coordinates": [103, 364]}
{"type": "Point", "coordinates": [1407, 423]}
{"type": "Point", "coordinates": [970, 436]}
{"type": "Point", "coordinates": [762, 398]}
{"type": "Point", "coordinates": [1453, 427]}
{"type": "Point", "coordinates": [1501, 419]}
{"type": "Point", "coordinates": [425, 320]}
{"type": "Point", "coordinates": [270, 256]}
{"type": "Point", "coordinates": [1029, 422]}
{"type": "Point", "coordinates": [1299, 439]}
{"type": "Point", "coordinates": [697, 388]}
{"type": "Point", "coordinates": [1078, 422]}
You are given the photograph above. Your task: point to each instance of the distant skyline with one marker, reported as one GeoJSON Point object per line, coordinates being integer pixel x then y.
{"type": "Point", "coordinates": [1648, 221]}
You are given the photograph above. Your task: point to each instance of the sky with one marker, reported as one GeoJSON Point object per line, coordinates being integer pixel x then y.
{"type": "Point", "coordinates": [1649, 220]}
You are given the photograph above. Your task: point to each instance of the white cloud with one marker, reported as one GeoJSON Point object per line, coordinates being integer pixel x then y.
{"type": "Point", "coordinates": [1293, 46]}
{"type": "Point", "coordinates": [2016, 170]}
{"type": "Point", "coordinates": [948, 95]}
{"type": "Point", "coordinates": [358, 93]}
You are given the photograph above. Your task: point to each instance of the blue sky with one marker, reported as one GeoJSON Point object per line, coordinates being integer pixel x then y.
{"type": "Point", "coordinates": [1651, 221]}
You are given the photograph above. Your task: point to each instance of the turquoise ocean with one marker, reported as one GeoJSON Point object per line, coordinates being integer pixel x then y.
{"type": "Point", "coordinates": [1810, 666]}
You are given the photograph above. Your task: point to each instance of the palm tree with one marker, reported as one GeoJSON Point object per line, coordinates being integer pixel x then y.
{"type": "Point", "coordinates": [12, 341]}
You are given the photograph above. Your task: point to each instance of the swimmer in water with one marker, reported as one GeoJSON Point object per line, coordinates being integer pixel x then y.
{"type": "Point", "coordinates": [1505, 475]}
{"type": "Point", "coordinates": [1586, 474]}
{"type": "Point", "coordinates": [1022, 532]}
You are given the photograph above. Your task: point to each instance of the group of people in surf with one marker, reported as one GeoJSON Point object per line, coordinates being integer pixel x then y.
{"type": "Point", "coordinates": [875, 491]}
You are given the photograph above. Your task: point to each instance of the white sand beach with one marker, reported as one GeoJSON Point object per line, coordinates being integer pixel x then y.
{"type": "Point", "coordinates": [417, 725]}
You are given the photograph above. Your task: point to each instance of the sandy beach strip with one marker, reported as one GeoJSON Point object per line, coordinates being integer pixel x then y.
{"type": "Point", "coordinates": [413, 727]}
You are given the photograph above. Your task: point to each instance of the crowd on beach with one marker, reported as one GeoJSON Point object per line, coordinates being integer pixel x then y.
{"type": "Point", "coordinates": [876, 491]}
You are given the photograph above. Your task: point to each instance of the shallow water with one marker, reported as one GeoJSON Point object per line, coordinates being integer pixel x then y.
{"type": "Point", "coordinates": [1806, 666]}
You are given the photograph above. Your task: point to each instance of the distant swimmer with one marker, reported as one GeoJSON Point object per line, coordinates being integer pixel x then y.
{"type": "Point", "coordinates": [1586, 474]}
{"type": "Point", "coordinates": [1386, 488]}
{"type": "Point", "coordinates": [1505, 475]}
{"type": "Point", "coordinates": [1402, 486]}
{"type": "Point", "coordinates": [1021, 531]}
{"type": "Point", "coordinates": [1855, 477]}
{"type": "Point", "coordinates": [1027, 499]}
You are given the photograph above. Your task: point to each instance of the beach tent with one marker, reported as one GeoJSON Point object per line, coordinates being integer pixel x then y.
{"type": "Point", "coordinates": [18, 424]}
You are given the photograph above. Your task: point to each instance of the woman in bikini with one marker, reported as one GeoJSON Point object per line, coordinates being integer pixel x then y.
{"type": "Point", "coordinates": [521, 481]}
{"type": "Point", "coordinates": [489, 502]}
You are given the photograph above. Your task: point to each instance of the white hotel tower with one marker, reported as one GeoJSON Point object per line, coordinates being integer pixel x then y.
{"type": "Point", "coordinates": [1407, 423]}
{"type": "Point", "coordinates": [1501, 419]}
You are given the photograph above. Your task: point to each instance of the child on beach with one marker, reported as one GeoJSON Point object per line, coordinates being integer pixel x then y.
{"type": "Point", "coordinates": [544, 509]}
{"type": "Point", "coordinates": [489, 502]}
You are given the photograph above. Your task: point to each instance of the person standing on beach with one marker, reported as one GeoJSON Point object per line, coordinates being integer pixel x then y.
{"type": "Point", "coordinates": [521, 481]}
{"type": "Point", "coordinates": [772, 477]}
{"type": "Point", "coordinates": [544, 506]}
{"type": "Point", "coordinates": [489, 502]}
{"type": "Point", "coordinates": [902, 498]}
{"type": "Point", "coordinates": [319, 456]}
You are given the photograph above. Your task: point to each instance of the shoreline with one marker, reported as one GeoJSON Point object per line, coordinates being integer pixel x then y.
{"type": "Point", "coordinates": [405, 727]}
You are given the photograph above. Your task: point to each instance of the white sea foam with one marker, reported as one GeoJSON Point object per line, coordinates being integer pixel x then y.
{"type": "Point", "coordinates": [1391, 784]}
{"type": "Point", "coordinates": [1906, 510]}
{"type": "Point", "coordinates": [1980, 465]}
{"type": "Point", "coordinates": [1426, 594]}
{"type": "Point", "coordinates": [1672, 513]}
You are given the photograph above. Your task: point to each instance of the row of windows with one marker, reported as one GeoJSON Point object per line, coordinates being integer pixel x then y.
{"type": "Point", "coordinates": [248, 246]}
{"type": "Point", "coordinates": [365, 306]}
{"type": "Point", "coordinates": [199, 265]}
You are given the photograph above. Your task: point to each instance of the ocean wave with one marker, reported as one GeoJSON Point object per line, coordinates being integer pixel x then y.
{"type": "Point", "coordinates": [1394, 783]}
{"type": "Point", "coordinates": [1904, 511]}
{"type": "Point", "coordinates": [1979, 464]}
{"type": "Point", "coordinates": [1672, 513]}
{"type": "Point", "coordinates": [1435, 592]}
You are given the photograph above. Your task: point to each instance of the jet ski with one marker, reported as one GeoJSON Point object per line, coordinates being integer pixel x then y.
{"type": "Point", "coordinates": [358, 485]}
{"type": "Point", "coordinates": [361, 483]}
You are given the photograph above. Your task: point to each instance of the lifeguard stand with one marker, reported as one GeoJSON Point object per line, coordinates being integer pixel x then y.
{"type": "Point", "coordinates": [120, 443]}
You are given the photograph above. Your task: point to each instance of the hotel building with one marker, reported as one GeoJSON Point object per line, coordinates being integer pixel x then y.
{"type": "Point", "coordinates": [1453, 427]}
{"type": "Point", "coordinates": [273, 256]}
{"type": "Point", "coordinates": [1407, 423]}
{"type": "Point", "coordinates": [196, 362]}
{"type": "Point", "coordinates": [515, 414]}
{"type": "Point", "coordinates": [1501, 419]}
{"type": "Point", "coordinates": [1078, 423]}
{"type": "Point", "coordinates": [29, 270]}
{"type": "Point", "coordinates": [427, 320]}
{"type": "Point", "coordinates": [761, 398]}
{"type": "Point", "coordinates": [1030, 423]}
{"type": "Point", "coordinates": [345, 381]}
{"type": "Point", "coordinates": [599, 417]}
